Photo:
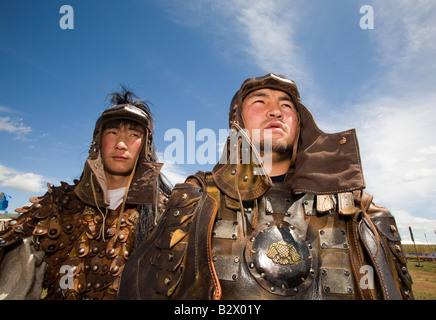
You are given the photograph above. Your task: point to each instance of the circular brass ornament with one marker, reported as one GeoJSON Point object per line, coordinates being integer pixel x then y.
{"type": "Point", "coordinates": [279, 258]}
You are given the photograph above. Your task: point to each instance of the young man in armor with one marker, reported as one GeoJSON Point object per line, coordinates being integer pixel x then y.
{"type": "Point", "coordinates": [73, 242]}
{"type": "Point", "coordinates": [300, 228]}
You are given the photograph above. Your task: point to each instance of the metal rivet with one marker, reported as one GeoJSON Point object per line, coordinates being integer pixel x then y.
{"type": "Point", "coordinates": [393, 229]}
{"type": "Point", "coordinates": [81, 251]}
{"type": "Point", "coordinates": [167, 281]}
{"type": "Point", "coordinates": [327, 288]}
{"type": "Point", "coordinates": [245, 178]}
{"type": "Point", "coordinates": [233, 172]}
{"type": "Point", "coordinates": [236, 259]}
{"type": "Point", "coordinates": [177, 213]}
{"type": "Point", "coordinates": [343, 140]}
{"type": "Point", "coordinates": [184, 196]}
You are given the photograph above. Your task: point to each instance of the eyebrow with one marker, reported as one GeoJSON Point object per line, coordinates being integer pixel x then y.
{"type": "Point", "coordinates": [136, 128]}
{"type": "Point", "coordinates": [129, 127]}
{"type": "Point", "coordinates": [284, 97]}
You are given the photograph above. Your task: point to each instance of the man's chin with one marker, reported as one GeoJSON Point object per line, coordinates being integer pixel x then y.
{"type": "Point", "coordinates": [119, 173]}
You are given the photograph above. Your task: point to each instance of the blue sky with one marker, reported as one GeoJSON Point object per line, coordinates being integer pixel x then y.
{"type": "Point", "coordinates": [188, 58]}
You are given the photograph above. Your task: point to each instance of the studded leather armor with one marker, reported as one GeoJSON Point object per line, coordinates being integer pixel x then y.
{"type": "Point", "coordinates": [85, 251]}
{"type": "Point", "coordinates": [299, 247]}
{"type": "Point", "coordinates": [292, 252]}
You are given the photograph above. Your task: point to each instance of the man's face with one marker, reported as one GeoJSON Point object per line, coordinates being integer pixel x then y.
{"type": "Point", "coordinates": [271, 109]}
{"type": "Point", "coordinates": [120, 148]}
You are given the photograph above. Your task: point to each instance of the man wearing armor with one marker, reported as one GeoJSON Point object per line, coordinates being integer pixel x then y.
{"type": "Point", "coordinates": [299, 228]}
{"type": "Point", "coordinates": [73, 242]}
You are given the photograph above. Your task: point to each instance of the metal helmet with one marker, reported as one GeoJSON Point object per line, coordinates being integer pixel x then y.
{"type": "Point", "coordinates": [270, 81]}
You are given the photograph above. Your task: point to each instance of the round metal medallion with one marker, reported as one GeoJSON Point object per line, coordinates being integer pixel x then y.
{"type": "Point", "coordinates": [279, 259]}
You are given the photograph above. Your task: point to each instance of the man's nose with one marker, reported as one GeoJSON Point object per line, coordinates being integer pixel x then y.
{"type": "Point", "coordinates": [121, 144]}
{"type": "Point", "coordinates": [274, 110]}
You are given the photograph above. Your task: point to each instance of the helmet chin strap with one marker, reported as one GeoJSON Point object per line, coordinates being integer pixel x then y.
{"type": "Point", "coordinates": [295, 145]}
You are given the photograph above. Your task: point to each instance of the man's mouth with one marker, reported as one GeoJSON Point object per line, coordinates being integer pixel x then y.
{"type": "Point", "coordinates": [275, 125]}
{"type": "Point", "coordinates": [119, 158]}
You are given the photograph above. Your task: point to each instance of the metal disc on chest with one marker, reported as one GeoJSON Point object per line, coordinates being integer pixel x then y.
{"type": "Point", "coordinates": [279, 259]}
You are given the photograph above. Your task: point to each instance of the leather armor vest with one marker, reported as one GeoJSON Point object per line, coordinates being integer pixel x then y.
{"type": "Point", "coordinates": [295, 247]}
{"type": "Point", "coordinates": [85, 252]}
{"type": "Point", "coordinates": [291, 252]}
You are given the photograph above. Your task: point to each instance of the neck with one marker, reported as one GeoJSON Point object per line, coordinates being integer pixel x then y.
{"type": "Point", "coordinates": [116, 182]}
{"type": "Point", "coordinates": [278, 165]}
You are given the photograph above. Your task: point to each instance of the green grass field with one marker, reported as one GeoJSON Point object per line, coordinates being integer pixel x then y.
{"type": "Point", "coordinates": [424, 279]}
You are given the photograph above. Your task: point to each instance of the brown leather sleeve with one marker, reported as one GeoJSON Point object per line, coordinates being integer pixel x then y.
{"type": "Point", "coordinates": [377, 242]}
{"type": "Point", "coordinates": [174, 263]}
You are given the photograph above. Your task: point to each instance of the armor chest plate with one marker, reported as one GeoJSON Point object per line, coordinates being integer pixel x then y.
{"type": "Point", "coordinates": [288, 250]}
{"type": "Point", "coordinates": [85, 251]}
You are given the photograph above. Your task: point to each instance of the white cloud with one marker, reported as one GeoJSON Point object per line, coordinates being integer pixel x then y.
{"type": "Point", "coordinates": [27, 182]}
{"type": "Point", "coordinates": [404, 37]}
{"type": "Point", "coordinates": [14, 126]}
{"type": "Point", "coordinates": [262, 30]}
{"type": "Point", "coordinates": [396, 138]}
{"type": "Point", "coordinates": [174, 173]}
{"type": "Point", "coordinates": [396, 115]}
{"type": "Point", "coordinates": [4, 109]}
{"type": "Point", "coordinates": [419, 225]}
{"type": "Point", "coordinates": [269, 29]}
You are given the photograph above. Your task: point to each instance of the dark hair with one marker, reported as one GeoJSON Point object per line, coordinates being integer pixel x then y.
{"type": "Point", "coordinates": [147, 214]}
{"type": "Point", "coordinates": [126, 96]}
